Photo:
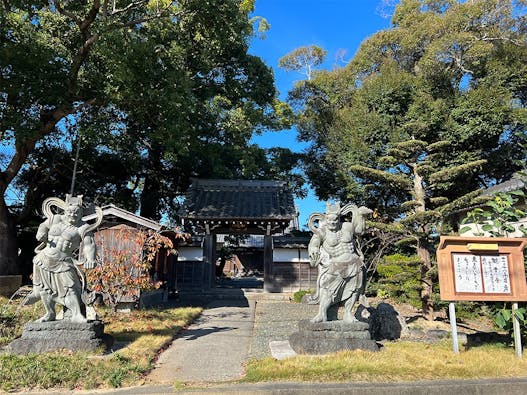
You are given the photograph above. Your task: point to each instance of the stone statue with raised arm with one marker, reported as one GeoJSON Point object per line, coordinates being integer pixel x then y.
{"type": "Point", "coordinates": [57, 276]}
{"type": "Point", "coordinates": [334, 249]}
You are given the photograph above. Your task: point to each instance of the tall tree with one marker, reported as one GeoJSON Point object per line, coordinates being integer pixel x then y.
{"type": "Point", "coordinates": [44, 53]}
{"type": "Point", "coordinates": [303, 60]}
{"type": "Point", "coordinates": [427, 113]}
{"type": "Point", "coordinates": [147, 85]}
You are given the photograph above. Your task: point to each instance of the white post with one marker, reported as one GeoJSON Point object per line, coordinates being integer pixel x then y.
{"type": "Point", "coordinates": [453, 325]}
{"type": "Point", "coordinates": [517, 334]}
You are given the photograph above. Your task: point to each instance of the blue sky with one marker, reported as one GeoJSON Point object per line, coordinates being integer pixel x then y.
{"type": "Point", "coordinates": [338, 26]}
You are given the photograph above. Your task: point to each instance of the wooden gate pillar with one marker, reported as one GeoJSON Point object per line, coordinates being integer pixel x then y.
{"type": "Point", "coordinates": [268, 264]}
{"type": "Point", "coordinates": [209, 261]}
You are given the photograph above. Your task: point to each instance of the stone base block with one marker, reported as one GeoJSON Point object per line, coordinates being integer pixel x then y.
{"type": "Point", "coordinates": [331, 336]}
{"type": "Point", "coordinates": [38, 337]}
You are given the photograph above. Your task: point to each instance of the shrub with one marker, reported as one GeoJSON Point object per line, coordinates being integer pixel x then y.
{"type": "Point", "coordinates": [298, 295]}
{"type": "Point", "coordinates": [398, 277]}
{"type": "Point", "coordinates": [498, 215]}
{"type": "Point", "coordinates": [126, 269]}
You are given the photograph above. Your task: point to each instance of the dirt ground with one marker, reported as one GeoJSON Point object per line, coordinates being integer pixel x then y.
{"type": "Point", "coordinates": [415, 321]}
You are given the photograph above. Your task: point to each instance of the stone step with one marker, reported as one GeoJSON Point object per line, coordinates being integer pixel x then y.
{"type": "Point", "coordinates": [234, 294]}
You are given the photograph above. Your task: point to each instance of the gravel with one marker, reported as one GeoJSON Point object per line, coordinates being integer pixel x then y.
{"type": "Point", "coordinates": [275, 321]}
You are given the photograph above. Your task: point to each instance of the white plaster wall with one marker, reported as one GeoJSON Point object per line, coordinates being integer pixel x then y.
{"type": "Point", "coordinates": [190, 254]}
{"type": "Point", "coordinates": [289, 255]}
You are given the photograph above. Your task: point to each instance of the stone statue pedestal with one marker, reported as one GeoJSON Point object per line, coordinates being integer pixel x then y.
{"type": "Point", "coordinates": [38, 337]}
{"type": "Point", "coordinates": [331, 336]}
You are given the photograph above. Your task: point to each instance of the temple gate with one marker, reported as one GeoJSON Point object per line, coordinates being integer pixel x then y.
{"type": "Point", "coordinates": [248, 207]}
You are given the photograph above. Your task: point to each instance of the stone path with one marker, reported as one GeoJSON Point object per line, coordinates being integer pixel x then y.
{"type": "Point", "coordinates": [229, 332]}
{"type": "Point", "coordinates": [212, 349]}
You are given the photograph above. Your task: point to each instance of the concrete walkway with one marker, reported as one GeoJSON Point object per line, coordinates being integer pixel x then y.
{"type": "Point", "coordinates": [213, 349]}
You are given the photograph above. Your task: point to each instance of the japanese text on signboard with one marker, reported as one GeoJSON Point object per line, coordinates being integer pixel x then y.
{"type": "Point", "coordinates": [481, 273]}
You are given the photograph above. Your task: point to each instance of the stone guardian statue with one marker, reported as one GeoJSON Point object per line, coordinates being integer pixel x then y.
{"type": "Point", "coordinates": [57, 275]}
{"type": "Point", "coordinates": [333, 248]}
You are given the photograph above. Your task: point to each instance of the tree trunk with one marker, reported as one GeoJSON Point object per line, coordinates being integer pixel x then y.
{"type": "Point", "coordinates": [8, 242]}
{"type": "Point", "coordinates": [422, 250]}
{"type": "Point", "coordinates": [150, 199]}
{"type": "Point", "coordinates": [151, 194]}
{"type": "Point", "coordinates": [23, 148]}
{"type": "Point", "coordinates": [426, 281]}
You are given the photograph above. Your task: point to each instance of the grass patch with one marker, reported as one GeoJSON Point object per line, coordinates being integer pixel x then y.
{"type": "Point", "coordinates": [146, 332]}
{"type": "Point", "coordinates": [12, 322]}
{"type": "Point", "coordinates": [400, 361]}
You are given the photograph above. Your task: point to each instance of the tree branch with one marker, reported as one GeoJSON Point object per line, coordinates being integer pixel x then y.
{"type": "Point", "coordinates": [459, 64]}
{"type": "Point", "coordinates": [67, 14]}
{"type": "Point", "coordinates": [82, 54]}
{"type": "Point", "coordinates": [25, 147]}
{"type": "Point", "coordinates": [133, 4]}
{"type": "Point", "coordinates": [518, 43]}
{"type": "Point", "coordinates": [146, 19]}
{"type": "Point", "coordinates": [105, 9]}
{"type": "Point", "coordinates": [90, 17]}
{"type": "Point", "coordinates": [455, 171]}
{"type": "Point", "coordinates": [380, 175]}
{"type": "Point", "coordinates": [89, 40]}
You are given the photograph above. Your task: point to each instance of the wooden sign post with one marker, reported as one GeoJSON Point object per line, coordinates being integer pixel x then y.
{"type": "Point", "coordinates": [482, 269]}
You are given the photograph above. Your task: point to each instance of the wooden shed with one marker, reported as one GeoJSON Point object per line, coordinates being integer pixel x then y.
{"type": "Point", "coordinates": [109, 239]}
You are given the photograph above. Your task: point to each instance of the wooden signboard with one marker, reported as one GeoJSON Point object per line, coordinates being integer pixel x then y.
{"type": "Point", "coordinates": [481, 268]}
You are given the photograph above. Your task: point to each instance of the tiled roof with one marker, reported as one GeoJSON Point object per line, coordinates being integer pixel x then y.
{"type": "Point", "coordinates": [114, 215]}
{"type": "Point", "coordinates": [290, 242]}
{"type": "Point", "coordinates": [238, 199]}
{"type": "Point", "coordinates": [516, 183]}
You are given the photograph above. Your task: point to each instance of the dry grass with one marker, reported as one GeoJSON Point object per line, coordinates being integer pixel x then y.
{"type": "Point", "coordinates": [144, 332]}
{"type": "Point", "coordinates": [148, 331]}
{"type": "Point", "coordinates": [400, 361]}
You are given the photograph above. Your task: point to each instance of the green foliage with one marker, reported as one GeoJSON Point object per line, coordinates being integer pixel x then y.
{"type": "Point", "coordinates": [398, 278]}
{"type": "Point", "coordinates": [298, 295]}
{"type": "Point", "coordinates": [422, 113]}
{"type": "Point", "coordinates": [469, 310]}
{"type": "Point", "coordinates": [429, 92]}
{"type": "Point", "coordinates": [303, 59]}
{"type": "Point", "coordinates": [497, 215]}
{"type": "Point", "coordinates": [156, 91]}
{"type": "Point", "coordinates": [503, 319]}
